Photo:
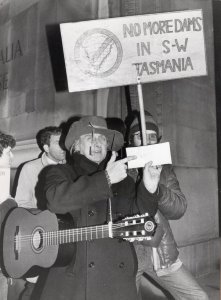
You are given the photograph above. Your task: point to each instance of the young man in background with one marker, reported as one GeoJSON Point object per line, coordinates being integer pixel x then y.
{"type": "Point", "coordinates": [49, 141]}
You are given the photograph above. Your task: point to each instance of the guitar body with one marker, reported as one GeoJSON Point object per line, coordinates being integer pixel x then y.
{"type": "Point", "coordinates": [33, 239]}
{"type": "Point", "coordinates": [24, 248]}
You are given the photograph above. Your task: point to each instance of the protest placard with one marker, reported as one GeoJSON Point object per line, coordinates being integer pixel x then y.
{"type": "Point", "coordinates": [112, 52]}
{"type": "Point", "coordinates": [159, 154]}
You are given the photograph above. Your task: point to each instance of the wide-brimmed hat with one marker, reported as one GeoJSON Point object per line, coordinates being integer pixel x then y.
{"type": "Point", "coordinates": [89, 124]}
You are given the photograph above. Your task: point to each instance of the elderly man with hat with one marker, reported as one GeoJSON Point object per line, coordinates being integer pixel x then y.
{"type": "Point", "coordinates": [94, 188]}
{"type": "Point", "coordinates": [163, 265]}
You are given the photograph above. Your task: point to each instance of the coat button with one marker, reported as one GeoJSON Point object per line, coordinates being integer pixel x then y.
{"type": "Point", "coordinates": [121, 265]}
{"type": "Point", "coordinates": [91, 213]}
{"type": "Point", "coordinates": [115, 194]}
{"type": "Point", "coordinates": [91, 264]}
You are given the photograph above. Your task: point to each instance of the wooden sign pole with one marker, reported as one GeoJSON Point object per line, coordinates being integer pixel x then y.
{"type": "Point", "coordinates": [144, 139]}
{"type": "Point", "coordinates": [142, 115]}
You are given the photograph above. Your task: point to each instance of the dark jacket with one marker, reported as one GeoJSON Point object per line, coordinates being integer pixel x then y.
{"type": "Point", "coordinates": [103, 268]}
{"type": "Point", "coordinates": [172, 205]}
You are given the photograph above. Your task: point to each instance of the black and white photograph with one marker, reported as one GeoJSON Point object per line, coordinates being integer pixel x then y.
{"type": "Point", "coordinates": [110, 156]}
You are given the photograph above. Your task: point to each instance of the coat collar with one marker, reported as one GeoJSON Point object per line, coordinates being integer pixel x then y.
{"type": "Point", "coordinates": [84, 166]}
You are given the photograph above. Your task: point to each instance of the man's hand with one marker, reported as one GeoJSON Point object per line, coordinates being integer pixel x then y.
{"type": "Point", "coordinates": [151, 176]}
{"type": "Point", "coordinates": [117, 170]}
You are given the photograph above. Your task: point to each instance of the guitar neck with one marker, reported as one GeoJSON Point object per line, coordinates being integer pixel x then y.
{"type": "Point", "coordinates": [77, 235]}
{"type": "Point", "coordinates": [131, 228]}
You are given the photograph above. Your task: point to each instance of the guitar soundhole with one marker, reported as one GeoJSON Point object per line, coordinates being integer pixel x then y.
{"type": "Point", "coordinates": [37, 239]}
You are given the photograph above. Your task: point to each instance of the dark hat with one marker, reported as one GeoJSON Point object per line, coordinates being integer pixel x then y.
{"type": "Point", "coordinates": [89, 124]}
{"type": "Point", "coordinates": [151, 124]}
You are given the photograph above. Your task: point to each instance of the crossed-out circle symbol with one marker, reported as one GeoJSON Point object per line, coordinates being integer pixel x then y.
{"type": "Point", "coordinates": [98, 52]}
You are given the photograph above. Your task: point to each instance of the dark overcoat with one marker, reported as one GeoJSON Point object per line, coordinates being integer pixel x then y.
{"type": "Point", "coordinates": [103, 268]}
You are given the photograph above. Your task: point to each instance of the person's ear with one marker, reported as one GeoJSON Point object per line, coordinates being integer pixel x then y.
{"type": "Point", "coordinates": [46, 148]}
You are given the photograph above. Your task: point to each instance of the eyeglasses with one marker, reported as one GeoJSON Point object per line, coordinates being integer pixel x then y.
{"type": "Point", "coordinates": [151, 137]}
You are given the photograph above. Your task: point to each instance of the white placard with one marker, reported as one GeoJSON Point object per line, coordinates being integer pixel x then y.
{"type": "Point", "coordinates": [115, 51]}
{"type": "Point", "coordinates": [4, 183]}
{"type": "Point", "coordinates": [159, 154]}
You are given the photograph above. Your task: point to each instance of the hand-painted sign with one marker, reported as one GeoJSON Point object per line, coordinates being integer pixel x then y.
{"type": "Point", "coordinates": [113, 52]}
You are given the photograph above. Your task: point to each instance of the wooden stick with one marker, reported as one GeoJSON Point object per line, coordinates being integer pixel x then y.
{"type": "Point", "coordinates": [142, 115]}
{"type": "Point", "coordinates": [156, 261]}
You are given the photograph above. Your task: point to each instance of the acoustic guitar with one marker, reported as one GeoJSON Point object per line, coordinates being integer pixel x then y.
{"type": "Point", "coordinates": [38, 240]}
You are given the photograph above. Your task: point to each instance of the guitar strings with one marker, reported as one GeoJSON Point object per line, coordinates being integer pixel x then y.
{"type": "Point", "coordinates": [77, 231]}
{"type": "Point", "coordinates": [67, 232]}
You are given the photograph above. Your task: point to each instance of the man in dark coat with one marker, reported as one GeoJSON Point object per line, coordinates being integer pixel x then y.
{"type": "Point", "coordinates": [93, 186]}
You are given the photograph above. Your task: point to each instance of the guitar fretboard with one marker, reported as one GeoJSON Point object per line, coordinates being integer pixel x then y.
{"type": "Point", "coordinates": [76, 235]}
